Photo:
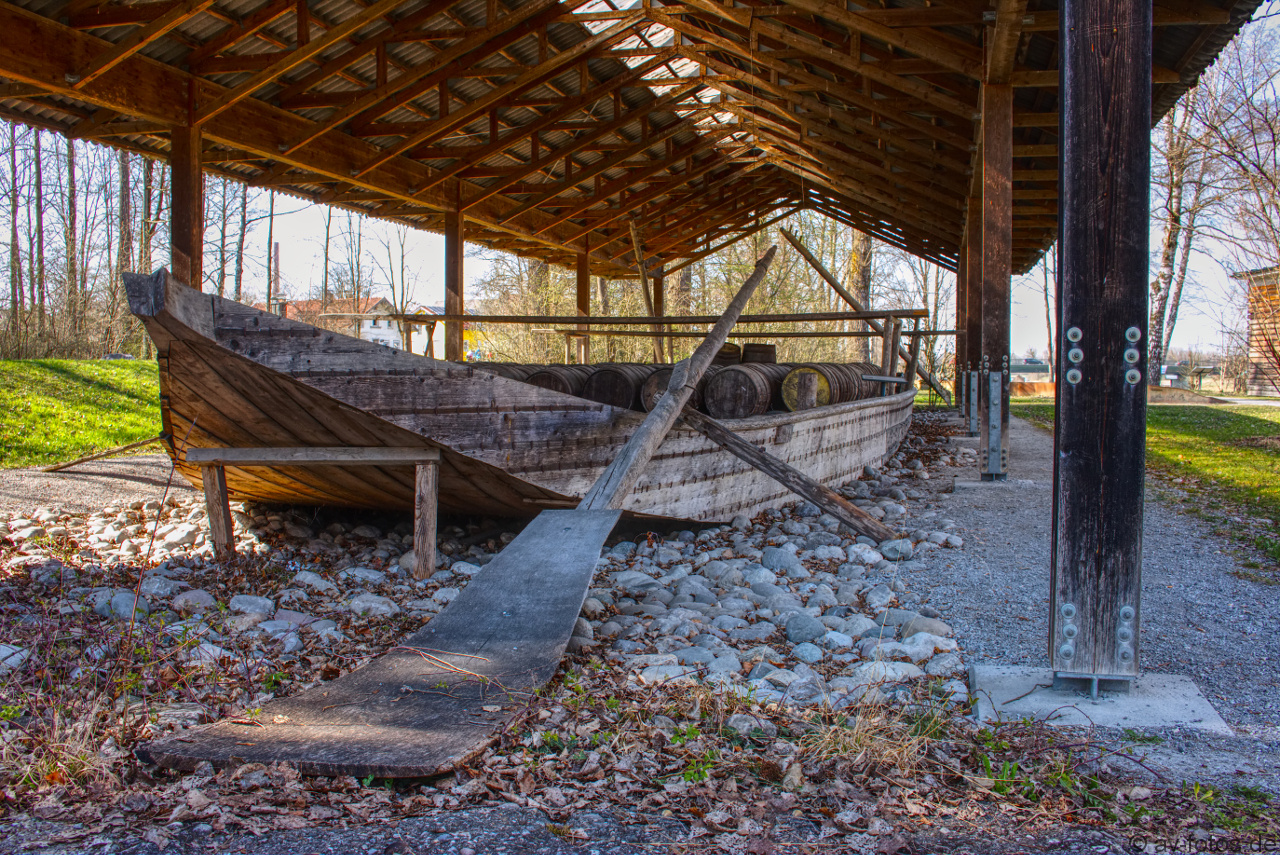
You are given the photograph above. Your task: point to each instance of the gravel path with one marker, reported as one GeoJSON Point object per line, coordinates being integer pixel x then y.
{"type": "Point", "coordinates": [1199, 619]}
{"type": "Point", "coordinates": [89, 486]}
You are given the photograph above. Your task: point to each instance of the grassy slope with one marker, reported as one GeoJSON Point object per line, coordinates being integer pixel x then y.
{"type": "Point", "coordinates": [54, 409]}
{"type": "Point", "coordinates": [1207, 451]}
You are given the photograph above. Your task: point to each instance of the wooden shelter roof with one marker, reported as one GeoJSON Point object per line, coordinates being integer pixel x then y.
{"type": "Point", "coordinates": [554, 124]}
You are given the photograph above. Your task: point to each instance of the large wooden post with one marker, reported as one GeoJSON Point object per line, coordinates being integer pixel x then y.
{"type": "Point", "coordinates": [962, 322]}
{"type": "Point", "coordinates": [973, 303]}
{"type": "Point", "coordinates": [997, 267]}
{"type": "Point", "coordinates": [660, 309]}
{"type": "Point", "coordinates": [583, 295]}
{"type": "Point", "coordinates": [186, 219]}
{"type": "Point", "coordinates": [1102, 330]}
{"type": "Point", "coordinates": [453, 301]}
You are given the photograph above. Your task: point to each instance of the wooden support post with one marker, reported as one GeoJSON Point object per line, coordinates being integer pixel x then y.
{"type": "Point", "coordinates": [1102, 312]}
{"type": "Point", "coordinates": [217, 506]}
{"type": "Point", "coordinates": [636, 247]}
{"type": "Point", "coordinates": [962, 336]}
{"type": "Point", "coordinates": [973, 304]}
{"type": "Point", "coordinates": [453, 300]}
{"type": "Point", "coordinates": [584, 304]}
{"type": "Point", "coordinates": [660, 311]}
{"type": "Point", "coordinates": [913, 360]}
{"type": "Point", "coordinates": [997, 268]}
{"type": "Point", "coordinates": [806, 390]}
{"type": "Point", "coordinates": [888, 351]}
{"type": "Point", "coordinates": [186, 218]}
{"type": "Point", "coordinates": [793, 479]}
{"type": "Point", "coordinates": [426, 504]}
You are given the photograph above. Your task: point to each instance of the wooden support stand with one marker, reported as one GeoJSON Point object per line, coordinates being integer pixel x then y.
{"type": "Point", "coordinates": [213, 463]}
{"type": "Point", "coordinates": [1099, 468]}
{"type": "Point", "coordinates": [997, 267]}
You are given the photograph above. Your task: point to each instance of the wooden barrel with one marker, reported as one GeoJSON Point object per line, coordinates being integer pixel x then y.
{"type": "Point", "coordinates": [836, 383]}
{"type": "Point", "coordinates": [568, 379]}
{"type": "Point", "coordinates": [510, 370]}
{"type": "Point", "coordinates": [656, 385]}
{"type": "Point", "coordinates": [617, 384]}
{"type": "Point", "coordinates": [870, 388]}
{"type": "Point", "coordinates": [730, 354]}
{"type": "Point", "coordinates": [758, 352]}
{"type": "Point", "coordinates": [739, 391]}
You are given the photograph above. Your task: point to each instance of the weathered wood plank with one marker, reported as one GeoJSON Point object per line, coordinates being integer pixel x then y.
{"type": "Point", "coordinates": [426, 508]}
{"type": "Point", "coordinates": [312, 455]}
{"type": "Point", "coordinates": [420, 709]}
{"type": "Point", "coordinates": [793, 479]}
{"type": "Point", "coordinates": [221, 532]}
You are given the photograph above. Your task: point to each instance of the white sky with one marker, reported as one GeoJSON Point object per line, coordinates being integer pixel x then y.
{"type": "Point", "coordinates": [301, 234]}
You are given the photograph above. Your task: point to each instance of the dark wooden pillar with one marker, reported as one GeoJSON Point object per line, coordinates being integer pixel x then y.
{"type": "Point", "coordinates": [973, 304]}
{"type": "Point", "coordinates": [453, 301]}
{"type": "Point", "coordinates": [583, 294]}
{"type": "Point", "coordinates": [962, 335]}
{"type": "Point", "coordinates": [1102, 327]}
{"type": "Point", "coordinates": [997, 267]}
{"type": "Point", "coordinates": [186, 219]}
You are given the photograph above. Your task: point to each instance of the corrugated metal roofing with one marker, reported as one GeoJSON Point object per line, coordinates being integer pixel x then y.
{"type": "Point", "coordinates": [882, 144]}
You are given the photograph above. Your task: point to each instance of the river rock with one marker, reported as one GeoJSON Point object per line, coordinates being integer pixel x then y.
{"type": "Point", "coordinates": [314, 581]}
{"type": "Point", "coordinates": [248, 604]}
{"type": "Point", "coordinates": [195, 600]}
{"type": "Point", "coordinates": [802, 627]}
{"type": "Point", "coordinates": [12, 657]}
{"type": "Point", "coordinates": [921, 623]}
{"type": "Point", "coordinates": [372, 605]}
{"type": "Point", "coordinates": [363, 575]}
{"type": "Point", "coordinates": [896, 550]}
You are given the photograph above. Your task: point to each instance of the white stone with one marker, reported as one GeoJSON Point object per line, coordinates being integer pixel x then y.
{"type": "Point", "coordinates": [372, 604]}
{"type": "Point", "coordinates": [12, 657]}
{"type": "Point", "coordinates": [314, 581]}
{"type": "Point", "coordinates": [248, 604]}
{"type": "Point", "coordinates": [364, 574]}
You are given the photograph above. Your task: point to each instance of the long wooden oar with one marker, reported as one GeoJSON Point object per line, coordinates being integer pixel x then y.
{"type": "Point", "coordinates": [615, 483]}
{"type": "Point", "coordinates": [788, 476]}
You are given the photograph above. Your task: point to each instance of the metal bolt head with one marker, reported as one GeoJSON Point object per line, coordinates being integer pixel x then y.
{"type": "Point", "coordinates": [1124, 635]}
{"type": "Point", "coordinates": [1067, 610]}
{"type": "Point", "coordinates": [1134, 376]}
{"type": "Point", "coordinates": [1074, 376]}
{"type": "Point", "coordinates": [1127, 613]}
{"type": "Point", "coordinates": [1124, 654]}
{"type": "Point", "coordinates": [1133, 334]}
{"type": "Point", "coordinates": [1074, 334]}
{"type": "Point", "coordinates": [1132, 356]}
{"type": "Point", "coordinates": [1070, 630]}
{"type": "Point", "coordinates": [1067, 651]}
{"type": "Point", "coordinates": [1076, 355]}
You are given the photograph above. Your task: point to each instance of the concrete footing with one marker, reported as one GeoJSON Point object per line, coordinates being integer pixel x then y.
{"type": "Point", "coordinates": [1010, 693]}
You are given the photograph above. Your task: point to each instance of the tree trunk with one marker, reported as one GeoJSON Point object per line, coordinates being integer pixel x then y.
{"type": "Point", "coordinates": [15, 252]}
{"type": "Point", "coordinates": [222, 243]}
{"type": "Point", "coordinates": [860, 264]}
{"type": "Point", "coordinates": [244, 227]}
{"type": "Point", "coordinates": [271, 224]}
{"type": "Point", "coordinates": [40, 270]}
{"type": "Point", "coordinates": [73, 282]}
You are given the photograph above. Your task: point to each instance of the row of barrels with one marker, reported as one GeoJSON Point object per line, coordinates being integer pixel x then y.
{"type": "Point", "coordinates": [735, 391]}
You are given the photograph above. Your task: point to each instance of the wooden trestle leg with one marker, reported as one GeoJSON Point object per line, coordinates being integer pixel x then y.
{"type": "Point", "coordinates": [218, 507]}
{"type": "Point", "coordinates": [425, 508]}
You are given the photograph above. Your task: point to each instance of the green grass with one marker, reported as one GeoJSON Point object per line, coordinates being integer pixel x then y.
{"type": "Point", "coordinates": [1227, 458]}
{"type": "Point", "coordinates": [59, 409]}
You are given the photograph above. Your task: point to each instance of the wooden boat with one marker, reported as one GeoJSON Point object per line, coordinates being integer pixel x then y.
{"type": "Point", "coordinates": [231, 375]}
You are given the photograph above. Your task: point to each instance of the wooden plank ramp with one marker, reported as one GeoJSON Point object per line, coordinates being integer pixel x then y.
{"type": "Point", "coordinates": [436, 700]}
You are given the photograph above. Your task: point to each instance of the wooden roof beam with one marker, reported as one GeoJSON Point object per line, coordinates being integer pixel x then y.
{"type": "Point", "coordinates": [944, 51]}
{"type": "Point", "coordinates": [250, 25]}
{"type": "Point", "coordinates": [532, 78]}
{"type": "Point", "coordinates": [1003, 40]}
{"type": "Point", "coordinates": [926, 94]}
{"type": "Point", "coordinates": [108, 59]}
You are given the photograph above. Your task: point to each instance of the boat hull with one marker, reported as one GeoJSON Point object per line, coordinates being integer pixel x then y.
{"type": "Point", "coordinates": [234, 376]}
